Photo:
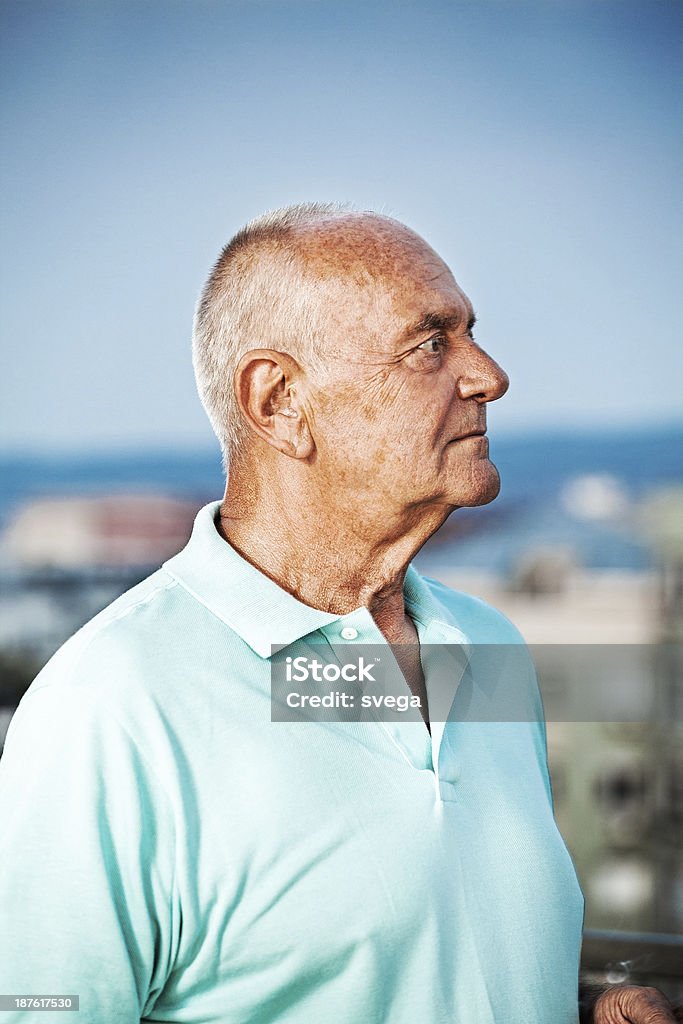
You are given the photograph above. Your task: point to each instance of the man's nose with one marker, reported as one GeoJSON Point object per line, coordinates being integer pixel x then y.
{"type": "Point", "coordinates": [482, 379]}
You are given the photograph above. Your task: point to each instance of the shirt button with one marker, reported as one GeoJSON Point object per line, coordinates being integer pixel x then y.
{"type": "Point", "coordinates": [349, 633]}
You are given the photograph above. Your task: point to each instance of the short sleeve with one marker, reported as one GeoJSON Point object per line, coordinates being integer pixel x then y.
{"type": "Point", "coordinates": [86, 861]}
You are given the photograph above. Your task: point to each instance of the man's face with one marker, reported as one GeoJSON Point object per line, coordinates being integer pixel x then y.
{"type": "Point", "coordinates": [400, 416]}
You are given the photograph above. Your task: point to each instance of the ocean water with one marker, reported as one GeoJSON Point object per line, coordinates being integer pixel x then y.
{"type": "Point", "coordinates": [539, 472]}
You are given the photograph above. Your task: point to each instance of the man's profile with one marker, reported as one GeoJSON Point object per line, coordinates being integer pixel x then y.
{"type": "Point", "coordinates": [170, 853]}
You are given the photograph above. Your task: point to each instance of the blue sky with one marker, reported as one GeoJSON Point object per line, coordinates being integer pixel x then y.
{"type": "Point", "coordinates": [536, 145]}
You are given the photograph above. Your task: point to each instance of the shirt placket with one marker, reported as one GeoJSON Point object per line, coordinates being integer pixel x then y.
{"type": "Point", "coordinates": [444, 652]}
{"type": "Point", "coordinates": [410, 737]}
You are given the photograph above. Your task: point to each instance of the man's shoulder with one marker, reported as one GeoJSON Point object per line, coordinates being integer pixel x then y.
{"type": "Point", "coordinates": [108, 643]}
{"type": "Point", "coordinates": [479, 620]}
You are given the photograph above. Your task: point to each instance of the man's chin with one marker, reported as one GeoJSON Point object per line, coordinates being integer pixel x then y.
{"type": "Point", "coordinates": [483, 489]}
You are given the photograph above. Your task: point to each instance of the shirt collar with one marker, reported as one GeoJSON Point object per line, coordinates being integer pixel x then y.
{"type": "Point", "coordinates": [254, 606]}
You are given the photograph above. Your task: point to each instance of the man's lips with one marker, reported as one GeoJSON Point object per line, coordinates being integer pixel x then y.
{"type": "Point", "coordinates": [472, 433]}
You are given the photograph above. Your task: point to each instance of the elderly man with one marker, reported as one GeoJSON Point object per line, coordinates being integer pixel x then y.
{"type": "Point", "coordinates": [171, 853]}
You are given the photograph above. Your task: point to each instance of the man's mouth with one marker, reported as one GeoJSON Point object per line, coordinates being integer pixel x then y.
{"type": "Point", "coordinates": [472, 433]}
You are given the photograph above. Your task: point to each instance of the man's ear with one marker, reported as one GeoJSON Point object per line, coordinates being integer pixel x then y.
{"type": "Point", "coordinates": [265, 392]}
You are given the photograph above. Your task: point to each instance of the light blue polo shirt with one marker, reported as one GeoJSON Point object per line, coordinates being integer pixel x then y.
{"type": "Point", "coordinates": [169, 853]}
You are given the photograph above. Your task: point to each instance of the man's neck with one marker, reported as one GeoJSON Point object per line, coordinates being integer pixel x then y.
{"type": "Point", "coordinates": [329, 558]}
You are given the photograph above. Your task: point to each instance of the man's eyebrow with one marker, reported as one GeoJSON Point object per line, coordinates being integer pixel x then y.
{"type": "Point", "coordinates": [438, 322]}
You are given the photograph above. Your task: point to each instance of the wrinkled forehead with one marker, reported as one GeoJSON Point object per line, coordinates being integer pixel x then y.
{"type": "Point", "coordinates": [378, 272]}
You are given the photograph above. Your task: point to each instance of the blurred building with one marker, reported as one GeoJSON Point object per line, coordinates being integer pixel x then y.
{"type": "Point", "coordinates": [64, 559]}
{"type": "Point", "coordinates": [73, 534]}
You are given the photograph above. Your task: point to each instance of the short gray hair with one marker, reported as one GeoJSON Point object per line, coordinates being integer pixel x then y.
{"type": "Point", "coordinates": [257, 296]}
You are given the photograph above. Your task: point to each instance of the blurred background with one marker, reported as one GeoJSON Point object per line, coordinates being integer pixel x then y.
{"type": "Point", "coordinates": [536, 145]}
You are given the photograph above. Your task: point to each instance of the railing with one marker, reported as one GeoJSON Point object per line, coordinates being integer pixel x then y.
{"type": "Point", "coordinates": [639, 958]}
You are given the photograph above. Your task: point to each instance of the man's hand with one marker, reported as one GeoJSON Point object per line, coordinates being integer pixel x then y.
{"type": "Point", "coordinates": [633, 1004]}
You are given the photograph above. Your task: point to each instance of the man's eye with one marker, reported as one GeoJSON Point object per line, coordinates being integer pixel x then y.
{"type": "Point", "coordinates": [434, 345]}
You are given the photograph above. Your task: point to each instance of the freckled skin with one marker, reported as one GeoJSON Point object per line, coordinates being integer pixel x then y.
{"type": "Point", "coordinates": [384, 412]}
